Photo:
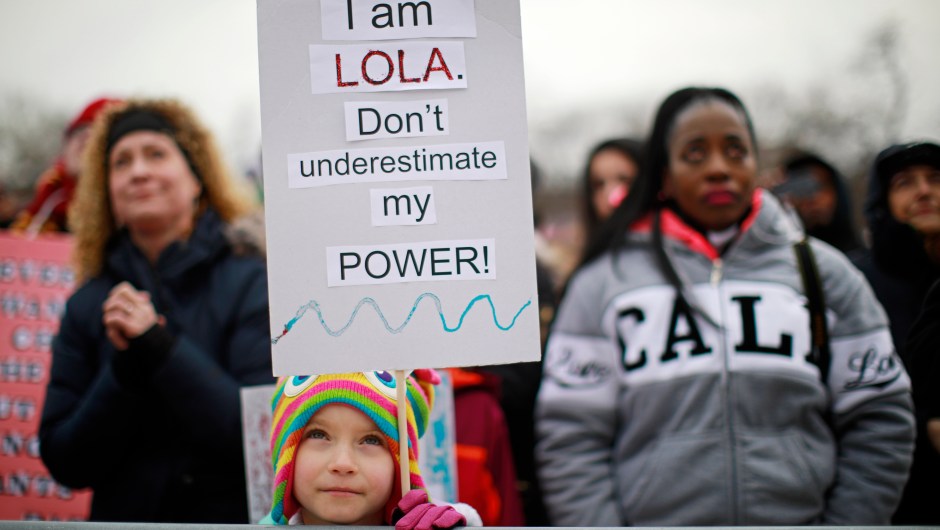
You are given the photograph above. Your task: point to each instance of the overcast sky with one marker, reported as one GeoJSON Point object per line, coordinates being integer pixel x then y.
{"type": "Point", "coordinates": [66, 52]}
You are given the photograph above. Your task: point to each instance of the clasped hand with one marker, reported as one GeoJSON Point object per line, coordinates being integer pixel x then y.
{"type": "Point", "coordinates": [128, 314]}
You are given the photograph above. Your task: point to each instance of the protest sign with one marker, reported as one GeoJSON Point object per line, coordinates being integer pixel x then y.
{"type": "Point", "coordinates": [35, 281]}
{"type": "Point", "coordinates": [397, 190]}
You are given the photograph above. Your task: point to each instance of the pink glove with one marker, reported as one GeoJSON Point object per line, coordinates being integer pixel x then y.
{"type": "Point", "coordinates": [419, 514]}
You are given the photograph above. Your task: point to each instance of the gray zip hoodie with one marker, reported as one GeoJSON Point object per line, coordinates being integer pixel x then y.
{"type": "Point", "coordinates": [652, 413]}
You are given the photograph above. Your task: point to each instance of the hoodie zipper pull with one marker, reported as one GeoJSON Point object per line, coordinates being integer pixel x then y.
{"type": "Point", "coordinates": [716, 271]}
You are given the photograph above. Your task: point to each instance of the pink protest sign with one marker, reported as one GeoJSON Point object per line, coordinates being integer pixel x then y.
{"type": "Point", "coordinates": [35, 282]}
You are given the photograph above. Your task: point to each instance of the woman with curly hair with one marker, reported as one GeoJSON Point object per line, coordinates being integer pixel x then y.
{"type": "Point", "coordinates": [143, 399]}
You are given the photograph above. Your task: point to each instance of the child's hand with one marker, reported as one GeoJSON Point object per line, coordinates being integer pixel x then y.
{"type": "Point", "coordinates": [419, 514]}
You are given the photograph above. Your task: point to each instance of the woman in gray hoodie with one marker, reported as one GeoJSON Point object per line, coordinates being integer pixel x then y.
{"type": "Point", "coordinates": [681, 384]}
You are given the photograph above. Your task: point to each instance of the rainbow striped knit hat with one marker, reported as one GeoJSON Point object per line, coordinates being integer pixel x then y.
{"type": "Point", "coordinates": [297, 398]}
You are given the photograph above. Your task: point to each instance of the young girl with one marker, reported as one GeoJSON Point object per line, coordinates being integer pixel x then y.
{"type": "Point", "coordinates": [334, 447]}
{"type": "Point", "coordinates": [679, 389]}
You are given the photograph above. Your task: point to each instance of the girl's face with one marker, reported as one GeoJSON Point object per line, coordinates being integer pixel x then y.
{"type": "Point", "coordinates": [611, 173]}
{"type": "Point", "coordinates": [712, 170]}
{"type": "Point", "coordinates": [151, 185]}
{"type": "Point", "coordinates": [343, 470]}
{"type": "Point", "coordinates": [914, 198]}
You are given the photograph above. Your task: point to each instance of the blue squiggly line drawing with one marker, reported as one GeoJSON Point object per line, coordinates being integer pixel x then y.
{"type": "Point", "coordinates": [313, 304]}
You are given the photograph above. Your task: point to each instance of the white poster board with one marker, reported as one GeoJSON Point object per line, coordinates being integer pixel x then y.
{"type": "Point", "coordinates": [256, 437]}
{"type": "Point", "coordinates": [397, 191]}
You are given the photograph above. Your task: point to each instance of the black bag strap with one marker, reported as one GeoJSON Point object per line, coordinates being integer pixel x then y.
{"type": "Point", "coordinates": [819, 355]}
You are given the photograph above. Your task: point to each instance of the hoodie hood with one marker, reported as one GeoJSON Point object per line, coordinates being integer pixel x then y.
{"type": "Point", "coordinates": [896, 247]}
{"type": "Point", "coordinates": [767, 222]}
{"type": "Point", "coordinates": [840, 232]}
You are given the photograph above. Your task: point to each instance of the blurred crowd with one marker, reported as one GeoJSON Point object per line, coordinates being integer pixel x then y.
{"type": "Point", "coordinates": [729, 338]}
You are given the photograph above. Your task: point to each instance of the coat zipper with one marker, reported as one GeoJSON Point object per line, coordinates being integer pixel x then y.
{"type": "Point", "coordinates": [716, 272]}
{"type": "Point", "coordinates": [716, 277]}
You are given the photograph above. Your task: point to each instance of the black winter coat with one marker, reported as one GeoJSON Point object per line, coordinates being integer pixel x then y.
{"type": "Point", "coordinates": [901, 273]}
{"type": "Point", "coordinates": [919, 504]}
{"type": "Point", "coordinates": [164, 444]}
{"type": "Point", "coordinates": [896, 266]}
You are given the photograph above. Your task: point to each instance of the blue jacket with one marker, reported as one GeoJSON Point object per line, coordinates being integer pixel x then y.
{"type": "Point", "coordinates": [162, 442]}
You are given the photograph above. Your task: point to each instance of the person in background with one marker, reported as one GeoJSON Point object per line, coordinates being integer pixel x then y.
{"type": "Point", "coordinates": [484, 454]}
{"type": "Point", "coordinates": [335, 452]}
{"type": "Point", "coordinates": [918, 504]}
{"type": "Point", "coordinates": [611, 170]}
{"type": "Point", "coordinates": [817, 192]}
{"type": "Point", "coordinates": [486, 472]}
{"type": "Point", "coordinates": [47, 210]}
{"type": "Point", "coordinates": [903, 261]}
{"type": "Point", "coordinates": [903, 213]}
{"type": "Point", "coordinates": [143, 400]}
{"type": "Point", "coordinates": [682, 386]}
